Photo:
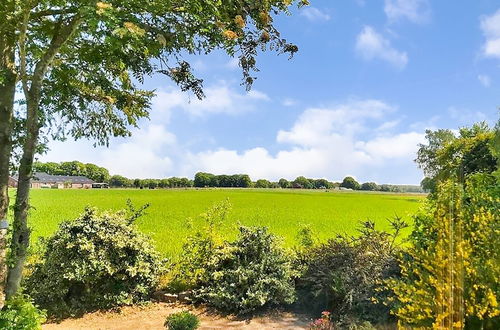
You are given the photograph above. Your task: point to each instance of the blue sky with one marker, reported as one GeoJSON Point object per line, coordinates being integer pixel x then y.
{"type": "Point", "coordinates": [369, 78]}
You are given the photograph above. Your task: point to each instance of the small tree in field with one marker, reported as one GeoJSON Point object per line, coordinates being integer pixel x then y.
{"type": "Point", "coordinates": [350, 183]}
{"type": "Point", "coordinates": [369, 186]}
{"type": "Point", "coordinates": [77, 64]}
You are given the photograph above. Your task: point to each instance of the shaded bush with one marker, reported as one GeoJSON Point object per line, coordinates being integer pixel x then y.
{"type": "Point", "coordinates": [97, 261]}
{"type": "Point", "coordinates": [236, 277]}
{"type": "Point", "coordinates": [344, 275]}
{"type": "Point", "coordinates": [182, 321]}
{"type": "Point", "coordinates": [19, 313]}
{"type": "Point", "coordinates": [247, 274]}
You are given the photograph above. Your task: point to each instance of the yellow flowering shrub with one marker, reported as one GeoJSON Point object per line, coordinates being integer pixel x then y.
{"type": "Point", "coordinates": [450, 272]}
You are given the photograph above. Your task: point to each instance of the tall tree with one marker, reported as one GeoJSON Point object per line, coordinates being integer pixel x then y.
{"type": "Point", "coordinates": [78, 62]}
{"type": "Point", "coordinates": [7, 91]}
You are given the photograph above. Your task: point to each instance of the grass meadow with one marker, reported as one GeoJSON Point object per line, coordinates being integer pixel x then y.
{"type": "Point", "coordinates": [282, 211]}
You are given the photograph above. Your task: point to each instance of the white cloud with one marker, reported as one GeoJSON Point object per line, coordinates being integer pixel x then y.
{"type": "Point", "coordinates": [233, 63]}
{"type": "Point", "coordinates": [315, 124]}
{"type": "Point", "coordinates": [314, 14]}
{"type": "Point", "coordinates": [219, 100]}
{"type": "Point", "coordinates": [372, 45]}
{"type": "Point", "coordinates": [396, 146]}
{"type": "Point", "coordinates": [416, 11]}
{"type": "Point", "coordinates": [289, 102]}
{"type": "Point", "coordinates": [326, 142]}
{"type": "Point", "coordinates": [421, 126]}
{"type": "Point", "coordinates": [491, 30]}
{"type": "Point", "coordinates": [466, 116]}
{"type": "Point", "coordinates": [484, 80]}
{"type": "Point", "coordinates": [140, 156]}
{"type": "Point", "coordinates": [388, 125]}
{"type": "Point", "coordinates": [330, 141]}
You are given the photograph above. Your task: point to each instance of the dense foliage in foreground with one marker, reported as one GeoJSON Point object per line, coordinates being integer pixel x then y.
{"type": "Point", "coordinates": [99, 260]}
{"type": "Point", "coordinates": [237, 277]}
{"type": "Point", "coordinates": [446, 275]}
{"type": "Point", "coordinates": [20, 314]}
{"type": "Point", "coordinates": [451, 267]}
{"type": "Point", "coordinates": [345, 275]}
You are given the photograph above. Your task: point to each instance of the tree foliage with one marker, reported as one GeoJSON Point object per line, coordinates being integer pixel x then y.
{"type": "Point", "coordinates": [447, 155]}
{"type": "Point", "coordinates": [80, 66]}
{"type": "Point", "coordinates": [202, 179]}
{"type": "Point", "coordinates": [21, 314]}
{"type": "Point", "coordinates": [74, 168]}
{"type": "Point", "coordinates": [451, 269]}
{"type": "Point", "coordinates": [369, 186]}
{"type": "Point", "coordinates": [104, 46]}
{"type": "Point", "coordinates": [350, 183]}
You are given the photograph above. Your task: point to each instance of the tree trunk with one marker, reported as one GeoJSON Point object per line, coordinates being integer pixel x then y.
{"type": "Point", "coordinates": [21, 232]}
{"type": "Point", "coordinates": [7, 92]}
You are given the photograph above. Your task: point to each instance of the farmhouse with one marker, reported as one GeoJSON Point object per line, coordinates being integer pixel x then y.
{"type": "Point", "coordinates": [44, 180]}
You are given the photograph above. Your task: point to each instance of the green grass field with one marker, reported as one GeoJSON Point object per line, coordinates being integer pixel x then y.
{"type": "Point", "coordinates": [329, 213]}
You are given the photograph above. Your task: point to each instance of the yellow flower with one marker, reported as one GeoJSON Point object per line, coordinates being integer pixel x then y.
{"type": "Point", "coordinates": [231, 35]}
{"type": "Point", "coordinates": [265, 36]}
{"type": "Point", "coordinates": [134, 29]}
{"type": "Point", "coordinates": [103, 5]}
{"type": "Point", "coordinates": [264, 18]}
{"type": "Point", "coordinates": [161, 39]}
{"type": "Point", "coordinates": [239, 21]}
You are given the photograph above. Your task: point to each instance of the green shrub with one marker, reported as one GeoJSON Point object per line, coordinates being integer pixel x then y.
{"type": "Point", "coordinates": [19, 313]}
{"type": "Point", "coordinates": [182, 321]}
{"type": "Point", "coordinates": [200, 246]}
{"type": "Point", "coordinates": [344, 276]}
{"type": "Point", "coordinates": [99, 260]}
{"type": "Point", "coordinates": [236, 277]}
{"type": "Point", "coordinates": [245, 275]}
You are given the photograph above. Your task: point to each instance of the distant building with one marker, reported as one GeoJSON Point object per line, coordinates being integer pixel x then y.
{"type": "Point", "coordinates": [100, 186]}
{"type": "Point", "coordinates": [44, 180]}
{"type": "Point", "coordinates": [12, 182]}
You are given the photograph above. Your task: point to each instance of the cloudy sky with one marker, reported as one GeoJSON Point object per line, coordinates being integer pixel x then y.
{"type": "Point", "coordinates": [369, 78]}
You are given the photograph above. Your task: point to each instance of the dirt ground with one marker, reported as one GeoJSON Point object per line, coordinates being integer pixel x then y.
{"type": "Point", "coordinates": [153, 316]}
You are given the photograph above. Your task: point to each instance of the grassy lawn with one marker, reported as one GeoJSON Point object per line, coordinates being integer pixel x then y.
{"type": "Point", "coordinates": [283, 211]}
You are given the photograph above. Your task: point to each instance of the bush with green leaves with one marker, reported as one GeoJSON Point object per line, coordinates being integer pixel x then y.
{"type": "Point", "coordinates": [182, 321]}
{"type": "Point", "coordinates": [236, 277]}
{"type": "Point", "coordinates": [200, 246]}
{"type": "Point", "coordinates": [247, 274]}
{"type": "Point", "coordinates": [99, 260]}
{"type": "Point", "coordinates": [344, 275]}
{"type": "Point", "coordinates": [19, 313]}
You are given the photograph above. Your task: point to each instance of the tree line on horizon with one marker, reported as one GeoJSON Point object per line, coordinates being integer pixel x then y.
{"type": "Point", "coordinates": [209, 180]}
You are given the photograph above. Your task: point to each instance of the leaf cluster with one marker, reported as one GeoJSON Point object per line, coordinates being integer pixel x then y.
{"type": "Point", "coordinates": [99, 260]}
